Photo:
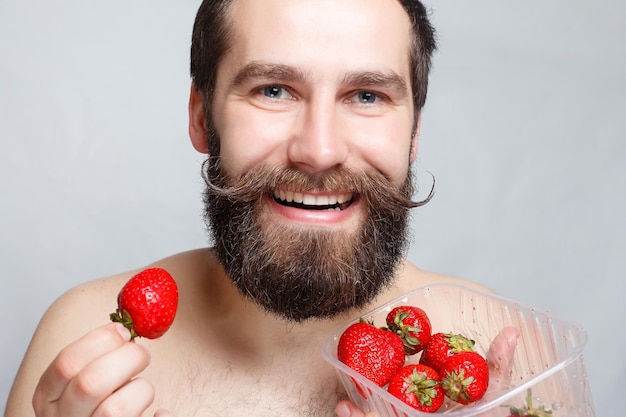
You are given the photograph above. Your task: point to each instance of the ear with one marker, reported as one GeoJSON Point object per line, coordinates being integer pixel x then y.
{"type": "Point", "coordinates": [197, 121]}
{"type": "Point", "coordinates": [415, 138]}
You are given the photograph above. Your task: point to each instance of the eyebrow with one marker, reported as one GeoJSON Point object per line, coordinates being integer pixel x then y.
{"type": "Point", "coordinates": [262, 71]}
{"type": "Point", "coordinates": [387, 80]}
{"type": "Point", "coordinates": [285, 73]}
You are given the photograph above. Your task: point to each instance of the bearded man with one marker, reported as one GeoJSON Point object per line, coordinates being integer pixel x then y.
{"type": "Point", "coordinates": [309, 113]}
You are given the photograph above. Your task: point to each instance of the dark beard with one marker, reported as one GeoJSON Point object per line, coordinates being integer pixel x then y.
{"type": "Point", "coordinates": [301, 273]}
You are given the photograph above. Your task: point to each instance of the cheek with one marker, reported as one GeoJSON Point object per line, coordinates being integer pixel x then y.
{"type": "Point", "coordinates": [249, 138]}
{"type": "Point", "coordinates": [387, 148]}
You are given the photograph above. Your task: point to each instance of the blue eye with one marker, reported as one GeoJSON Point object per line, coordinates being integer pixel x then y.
{"type": "Point", "coordinates": [366, 97]}
{"type": "Point", "coordinates": [275, 92]}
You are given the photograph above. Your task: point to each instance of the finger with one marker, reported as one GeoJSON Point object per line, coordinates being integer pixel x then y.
{"type": "Point", "coordinates": [500, 353]}
{"type": "Point", "coordinates": [346, 408]}
{"type": "Point", "coordinates": [101, 378]}
{"type": "Point", "coordinates": [71, 360]}
{"type": "Point", "coordinates": [131, 400]}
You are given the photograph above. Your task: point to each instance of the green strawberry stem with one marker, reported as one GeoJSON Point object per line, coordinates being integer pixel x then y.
{"type": "Point", "coordinates": [124, 318]}
{"type": "Point", "coordinates": [459, 343]}
{"type": "Point", "coordinates": [404, 331]}
{"type": "Point", "coordinates": [422, 387]}
{"type": "Point", "coordinates": [456, 385]}
{"type": "Point", "coordinates": [528, 410]}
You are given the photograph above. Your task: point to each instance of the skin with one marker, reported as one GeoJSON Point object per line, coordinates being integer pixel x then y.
{"type": "Point", "coordinates": [224, 355]}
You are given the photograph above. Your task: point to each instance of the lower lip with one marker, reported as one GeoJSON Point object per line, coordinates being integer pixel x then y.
{"type": "Point", "coordinates": [314, 217]}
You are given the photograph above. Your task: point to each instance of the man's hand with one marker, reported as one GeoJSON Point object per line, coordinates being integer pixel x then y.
{"type": "Point", "coordinates": [345, 408]}
{"type": "Point", "coordinates": [96, 376]}
{"type": "Point", "coordinates": [499, 357]}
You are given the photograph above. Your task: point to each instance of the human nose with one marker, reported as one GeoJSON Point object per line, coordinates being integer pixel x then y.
{"type": "Point", "coordinates": [317, 143]}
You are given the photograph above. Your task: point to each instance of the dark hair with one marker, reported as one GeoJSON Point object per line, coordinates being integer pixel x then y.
{"type": "Point", "coordinates": [212, 35]}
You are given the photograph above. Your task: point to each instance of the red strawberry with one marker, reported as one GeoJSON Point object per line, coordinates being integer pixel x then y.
{"type": "Point", "coordinates": [412, 325]}
{"type": "Point", "coordinates": [147, 304]}
{"type": "Point", "coordinates": [465, 377]}
{"type": "Point", "coordinates": [375, 353]}
{"type": "Point", "coordinates": [528, 410]}
{"type": "Point", "coordinates": [442, 346]}
{"type": "Point", "coordinates": [419, 386]}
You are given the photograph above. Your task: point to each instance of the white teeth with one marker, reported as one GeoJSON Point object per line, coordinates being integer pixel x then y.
{"type": "Point", "coordinates": [309, 200]}
{"type": "Point", "coordinates": [312, 199]}
{"type": "Point", "coordinates": [323, 200]}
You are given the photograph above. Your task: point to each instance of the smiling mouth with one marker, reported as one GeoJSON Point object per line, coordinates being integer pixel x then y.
{"type": "Point", "coordinates": [332, 202]}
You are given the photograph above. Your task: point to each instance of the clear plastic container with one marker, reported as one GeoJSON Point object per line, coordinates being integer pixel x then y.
{"type": "Point", "coordinates": [548, 358]}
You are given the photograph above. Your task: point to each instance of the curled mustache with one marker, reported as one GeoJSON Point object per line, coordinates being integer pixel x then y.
{"type": "Point", "coordinates": [262, 180]}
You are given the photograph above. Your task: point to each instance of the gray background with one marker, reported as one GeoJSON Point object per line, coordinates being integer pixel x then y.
{"type": "Point", "coordinates": [524, 131]}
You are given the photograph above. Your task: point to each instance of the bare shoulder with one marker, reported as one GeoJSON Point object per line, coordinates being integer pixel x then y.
{"type": "Point", "coordinates": [412, 277]}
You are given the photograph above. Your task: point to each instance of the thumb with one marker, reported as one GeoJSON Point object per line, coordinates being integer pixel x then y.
{"type": "Point", "coordinates": [346, 408]}
{"type": "Point", "coordinates": [500, 354]}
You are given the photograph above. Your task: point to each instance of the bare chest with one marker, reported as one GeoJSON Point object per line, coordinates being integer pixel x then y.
{"type": "Point", "coordinates": [223, 388]}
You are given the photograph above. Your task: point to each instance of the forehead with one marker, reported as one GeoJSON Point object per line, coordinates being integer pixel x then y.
{"type": "Point", "coordinates": [321, 35]}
